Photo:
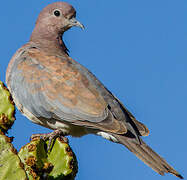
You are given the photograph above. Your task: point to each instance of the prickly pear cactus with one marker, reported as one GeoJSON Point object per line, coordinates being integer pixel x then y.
{"type": "Point", "coordinates": [11, 166]}
{"type": "Point", "coordinates": [7, 109]}
{"type": "Point", "coordinates": [59, 163]}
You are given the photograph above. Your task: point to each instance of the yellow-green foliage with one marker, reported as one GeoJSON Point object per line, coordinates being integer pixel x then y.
{"type": "Point", "coordinates": [11, 167]}
{"type": "Point", "coordinates": [7, 108]}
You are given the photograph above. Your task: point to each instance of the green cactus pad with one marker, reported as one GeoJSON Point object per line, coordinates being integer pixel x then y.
{"type": "Point", "coordinates": [7, 109]}
{"type": "Point", "coordinates": [10, 164]}
{"type": "Point", "coordinates": [63, 160]}
{"type": "Point", "coordinates": [33, 155]}
{"type": "Point", "coordinates": [59, 163]}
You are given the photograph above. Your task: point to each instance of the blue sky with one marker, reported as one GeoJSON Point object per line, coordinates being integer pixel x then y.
{"type": "Point", "coordinates": [138, 49]}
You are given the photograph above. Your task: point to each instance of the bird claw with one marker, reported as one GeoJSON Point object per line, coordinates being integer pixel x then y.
{"type": "Point", "coordinates": [50, 136]}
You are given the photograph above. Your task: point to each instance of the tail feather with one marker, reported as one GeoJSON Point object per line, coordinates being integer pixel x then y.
{"type": "Point", "coordinates": [147, 155]}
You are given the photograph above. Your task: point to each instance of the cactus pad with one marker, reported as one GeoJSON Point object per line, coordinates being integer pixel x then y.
{"type": "Point", "coordinates": [10, 164]}
{"type": "Point", "coordinates": [7, 109]}
{"type": "Point", "coordinates": [59, 163]}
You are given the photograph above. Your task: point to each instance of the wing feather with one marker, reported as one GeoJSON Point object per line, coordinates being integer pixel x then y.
{"type": "Point", "coordinates": [59, 87]}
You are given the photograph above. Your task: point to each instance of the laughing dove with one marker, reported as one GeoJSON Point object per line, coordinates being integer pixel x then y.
{"type": "Point", "coordinates": [53, 90]}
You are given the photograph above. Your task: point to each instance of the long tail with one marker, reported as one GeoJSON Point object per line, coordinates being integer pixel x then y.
{"type": "Point", "coordinates": [147, 155]}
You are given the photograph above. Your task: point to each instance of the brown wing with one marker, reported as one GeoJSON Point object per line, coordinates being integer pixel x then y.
{"type": "Point", "coordinates": [53, 86]}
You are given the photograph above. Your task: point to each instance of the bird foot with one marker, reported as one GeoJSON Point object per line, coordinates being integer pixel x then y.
{"type": "Point", "coordinates": [51, 137]}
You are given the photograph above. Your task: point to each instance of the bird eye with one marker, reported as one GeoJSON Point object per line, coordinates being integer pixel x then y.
{"type": "Point", "coordinates": [57, 13]}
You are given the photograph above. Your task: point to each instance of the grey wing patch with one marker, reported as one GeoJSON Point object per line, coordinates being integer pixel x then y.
{"type": "Point", "coordinates": [34, 103]}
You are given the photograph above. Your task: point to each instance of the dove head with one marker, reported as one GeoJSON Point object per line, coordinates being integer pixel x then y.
{"type": "Point", "coordinates": [53, 21]}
